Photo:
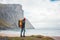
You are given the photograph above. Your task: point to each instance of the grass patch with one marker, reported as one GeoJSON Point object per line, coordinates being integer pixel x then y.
{"type": "Point", "coordinates": [37, 37]}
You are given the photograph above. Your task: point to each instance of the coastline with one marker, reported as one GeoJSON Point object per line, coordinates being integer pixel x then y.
{"type": "Point", "coordinates": [17, 35]}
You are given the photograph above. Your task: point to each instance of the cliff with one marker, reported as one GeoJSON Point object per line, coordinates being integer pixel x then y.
{"type": "Point", "coordinates": [9, 16]}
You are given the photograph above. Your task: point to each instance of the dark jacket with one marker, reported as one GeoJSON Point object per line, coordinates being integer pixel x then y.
{"type": "Point", "coordinates": [23, 24]}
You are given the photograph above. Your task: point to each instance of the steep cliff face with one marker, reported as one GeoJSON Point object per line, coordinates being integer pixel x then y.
{"type": "Point", "coordinates": [9, 16]}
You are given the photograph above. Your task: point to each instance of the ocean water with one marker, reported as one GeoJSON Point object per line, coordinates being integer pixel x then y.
{"type": "Point", "coordinates": [45, 32]}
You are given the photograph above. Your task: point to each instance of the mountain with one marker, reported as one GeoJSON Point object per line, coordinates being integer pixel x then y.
{"type": "Point", "coordinates": [9, 16]}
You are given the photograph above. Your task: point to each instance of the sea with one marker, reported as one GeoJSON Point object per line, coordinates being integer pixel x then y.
{"type": "Point", "coordinates": [28, 32]}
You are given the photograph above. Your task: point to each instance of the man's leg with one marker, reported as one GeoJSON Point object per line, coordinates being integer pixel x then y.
{"type": "Point", "coordinates": [21, 32]}
{"type": "Point", "coordinates": [24, 33]}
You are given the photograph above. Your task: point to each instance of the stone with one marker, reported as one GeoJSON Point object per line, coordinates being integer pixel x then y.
{"type": "Point", "coordinates": [9, 16]}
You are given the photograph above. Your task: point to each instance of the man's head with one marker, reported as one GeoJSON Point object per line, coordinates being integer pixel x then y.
{"type": "Point", "coordinates": [24, 18]}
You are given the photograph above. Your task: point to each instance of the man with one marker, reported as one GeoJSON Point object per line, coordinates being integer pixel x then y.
{"type": "Point", "coordinates": [22, 26]}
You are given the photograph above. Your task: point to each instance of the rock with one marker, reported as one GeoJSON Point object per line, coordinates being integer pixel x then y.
{"type": "Point", "coordinates": [10, 14]}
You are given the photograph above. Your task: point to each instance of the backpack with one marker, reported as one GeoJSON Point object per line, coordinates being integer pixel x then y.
{"type": "Point", "coordinates": [20, 23]}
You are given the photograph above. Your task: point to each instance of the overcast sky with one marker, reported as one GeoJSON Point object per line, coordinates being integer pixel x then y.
{"type": "Point", "coordinates": [41, 13]}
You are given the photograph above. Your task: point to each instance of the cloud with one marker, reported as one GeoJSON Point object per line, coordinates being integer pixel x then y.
{"type": "Point", "coordinates": [43, 13]}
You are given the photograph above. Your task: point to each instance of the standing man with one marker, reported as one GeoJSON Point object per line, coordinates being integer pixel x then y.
{"type": "Point", "coordinates": [22, 26]}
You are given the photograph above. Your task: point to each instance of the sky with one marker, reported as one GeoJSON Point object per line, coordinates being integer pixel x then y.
{"type": "Point", "coordinates": [41, 13]}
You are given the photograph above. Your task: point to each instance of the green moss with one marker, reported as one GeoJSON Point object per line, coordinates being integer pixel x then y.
{"type": "Point", "coordinates": [29, 38]}
{"type": "Point", "coordinates": [4, 23]}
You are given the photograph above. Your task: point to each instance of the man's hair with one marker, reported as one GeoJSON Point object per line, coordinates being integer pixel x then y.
{"type": "Point", "coordinates": [24, 18]}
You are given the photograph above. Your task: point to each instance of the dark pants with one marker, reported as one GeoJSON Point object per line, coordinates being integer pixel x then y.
{"type": "Point", "coordinates": [23, 32]}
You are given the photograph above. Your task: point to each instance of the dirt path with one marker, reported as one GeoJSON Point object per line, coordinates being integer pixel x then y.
{"type": "Point", "coordinates": [57, 37]}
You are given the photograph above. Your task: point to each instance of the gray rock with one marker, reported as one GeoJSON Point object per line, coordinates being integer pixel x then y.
{"type": "Point", "coordinates": [10, 14]}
